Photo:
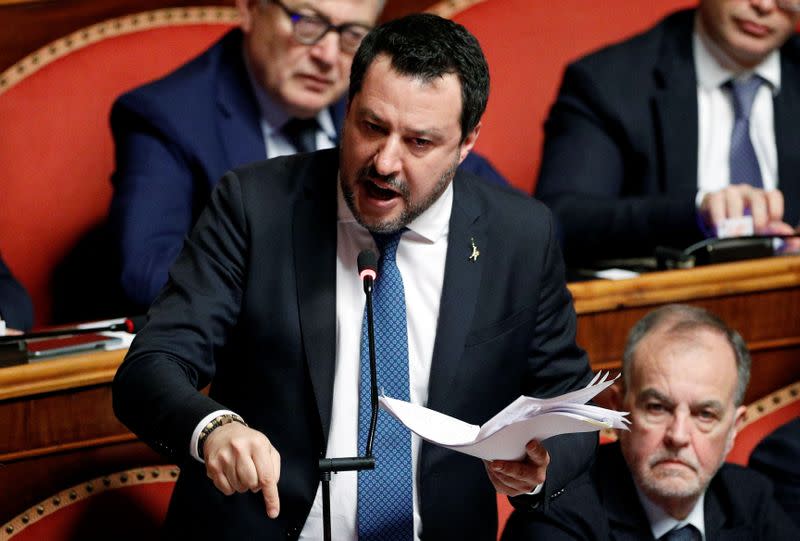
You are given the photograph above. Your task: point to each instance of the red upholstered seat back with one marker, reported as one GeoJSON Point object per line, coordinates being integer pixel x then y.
{"type": "Point", "coordinates": [763, 417]}
{"type": "Point", "coordinates": [56, 151]}
{"type": "Point", "coordinates": [124, 506]}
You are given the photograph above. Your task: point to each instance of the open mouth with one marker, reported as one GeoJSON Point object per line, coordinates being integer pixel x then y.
{"type": "Point", "coordinates": [377, 192]}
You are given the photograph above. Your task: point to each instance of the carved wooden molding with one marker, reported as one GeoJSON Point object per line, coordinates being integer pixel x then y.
{"type": "Point", "coordinates": [127, 24]}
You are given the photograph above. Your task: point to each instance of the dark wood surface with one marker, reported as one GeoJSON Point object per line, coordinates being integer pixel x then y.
{"type": "Point", "coordinates": [58, 427]}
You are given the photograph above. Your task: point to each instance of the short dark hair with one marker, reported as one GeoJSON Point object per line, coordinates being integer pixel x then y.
{"type": "Point", "coordinates": [427, 46]}
{"type": "Point", "coordinates": [685, 319]}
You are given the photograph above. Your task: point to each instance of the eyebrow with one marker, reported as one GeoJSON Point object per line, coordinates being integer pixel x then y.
{"type": "Point", "coordinates": [430, 133]}
{"type": "Point", "coordinates": [652, 393]}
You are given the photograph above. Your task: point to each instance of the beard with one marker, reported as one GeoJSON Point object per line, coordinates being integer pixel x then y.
{"type": "Point", "coordinates": [411, 209]}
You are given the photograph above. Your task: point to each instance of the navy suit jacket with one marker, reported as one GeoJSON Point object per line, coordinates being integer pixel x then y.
{"type": "Point", "coordinates": [778, 457]}
{"type": "Point", "coordinates": [250, 308]}
{"type": "Point", "coordinates": [174, 139]}
{"type": "Point", "coordinates": [619, 166]}
{"type": "Point", "coordinates": [15, 304]}
{"type": "Point", "coordinates": [604, 505]}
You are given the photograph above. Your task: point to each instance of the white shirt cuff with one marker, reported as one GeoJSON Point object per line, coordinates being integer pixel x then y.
{"type": "Point", "coordinates": [199, 428]}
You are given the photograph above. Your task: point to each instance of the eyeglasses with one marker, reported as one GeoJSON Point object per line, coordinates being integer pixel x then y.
{"type": "Point", "coordinates": [309, 29]}
{"type": "Point", "coordinates": [789, 5]}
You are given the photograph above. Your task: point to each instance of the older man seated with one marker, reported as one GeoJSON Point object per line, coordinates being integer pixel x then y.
{"type": "Point", "coordinates": [684, 378]}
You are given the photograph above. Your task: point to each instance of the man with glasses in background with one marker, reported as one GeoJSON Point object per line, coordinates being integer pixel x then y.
{"type": "Point", "coordinates": [269, 88]}
{"type": "Point", "coordinates": [679, 132]}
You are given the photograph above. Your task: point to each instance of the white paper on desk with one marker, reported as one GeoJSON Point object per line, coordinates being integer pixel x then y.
{"type": "Point", "coordinates": [505, 435]}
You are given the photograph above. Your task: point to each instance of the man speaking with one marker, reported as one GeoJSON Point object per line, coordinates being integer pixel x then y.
{"type": "Point", "coordinates": [265, 304]}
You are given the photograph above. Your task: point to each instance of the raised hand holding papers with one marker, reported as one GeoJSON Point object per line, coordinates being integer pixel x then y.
{"type": "Point", "coordinates": [504, 436]}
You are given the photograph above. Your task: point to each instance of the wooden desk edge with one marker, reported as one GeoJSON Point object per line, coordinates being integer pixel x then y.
{"type": "Point", "coordinates": [683, 285]}
{"type": "Point", "coordinates": [82, 370]}
{"type": "Point", "coordinates": [67, 372]}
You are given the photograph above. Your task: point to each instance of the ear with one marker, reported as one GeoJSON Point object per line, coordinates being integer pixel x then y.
{"type": "Point", "coordinates": [245, 15]}
{"type": "Point", "coordinates": [469, 142]}
{"type": "Point", "coordinates": [737, 425]}
{"type": "Point", "coordinates": [616, 396]}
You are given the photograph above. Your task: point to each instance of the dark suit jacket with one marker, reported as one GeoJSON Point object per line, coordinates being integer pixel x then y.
{"type": "Point", "coordinates": [619, 166]}
{"type": "Point", "coordinates": [604, 505]}
{"type": "Point", "coordinates": [778, 457]}
{"type": "Point", "coordinates": [174, 139]}
{"type": "Point", "coordinates": [250, 307]}
{"type": "Point", "coordinates": [15, 305]}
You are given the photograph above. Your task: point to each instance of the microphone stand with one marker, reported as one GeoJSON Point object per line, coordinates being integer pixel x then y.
{"type": "Point", "coordinates": [359, 463]}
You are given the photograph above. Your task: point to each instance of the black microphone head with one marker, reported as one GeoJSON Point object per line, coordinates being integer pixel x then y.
{"type": "Point", "coordinates": [367, 261]}
{"type": "Point", "coordinates": [134, 323]}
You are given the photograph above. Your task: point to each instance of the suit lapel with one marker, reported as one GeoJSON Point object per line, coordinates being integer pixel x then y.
{"type": "Point", "coordinates": [626, 517]}
{"type": "Point", "coordinates": [314, 239]}
{"type": "Point", "coordinates": [675, 108]}
{"type": "Point", "coordinates": [239, 124]}
{"type": "Point", "coordinates": [787, 131]}
{"type": "Point", "coordinates": [462, 277]}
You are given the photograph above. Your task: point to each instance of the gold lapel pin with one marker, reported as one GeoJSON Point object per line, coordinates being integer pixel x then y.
{"type": "Point", "coordinates": [475, 252]}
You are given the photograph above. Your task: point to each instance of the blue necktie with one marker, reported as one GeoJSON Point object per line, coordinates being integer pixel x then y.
{"type": "Point", "coordinates": [385, 507]}
{"type": "Point", "coordinates": [686, 533]}
{"type": "Point", "coordinates": [743, 161]}
{"type": "Point", "coordinates": [302, 133]}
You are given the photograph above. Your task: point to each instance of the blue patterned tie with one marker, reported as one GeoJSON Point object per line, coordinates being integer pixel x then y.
{"type": "Point", "coordinates": [385, 507]}
{"type": "Point", "coordinates": [687, 533]}
{"type": "Point", "coordinates": [743, 161]}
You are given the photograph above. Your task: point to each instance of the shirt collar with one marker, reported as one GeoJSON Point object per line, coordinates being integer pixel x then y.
{"type": "Point", "coordinates": [713, 67]}
{"type": "Point", "coordinates": [661, 522]}
{"type": "Point", "coordinates": [431, 225]}
{"type": "Point", "coordinates": [273, 116]}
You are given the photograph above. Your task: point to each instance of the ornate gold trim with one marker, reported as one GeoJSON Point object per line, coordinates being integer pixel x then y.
{"type": "Point", "coordinates": [111, 28]}
{"type": "Point", "coordinates": [773, 401]}
{"type": "Point", "coordinates": [449, 8]}
{"type": "Point", "coordinates": [136, 476]}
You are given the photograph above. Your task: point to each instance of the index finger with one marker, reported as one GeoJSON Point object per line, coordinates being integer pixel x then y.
{"type": "Point", "coordinates": [774, 205]}
{"type": "Point", "coordinates": [268, 467]}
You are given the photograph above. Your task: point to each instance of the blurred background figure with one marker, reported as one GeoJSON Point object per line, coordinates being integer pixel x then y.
{"type": "Point", "coordinates": [660, 139]}
{"type": "Point", "coordinates": [15, 305]}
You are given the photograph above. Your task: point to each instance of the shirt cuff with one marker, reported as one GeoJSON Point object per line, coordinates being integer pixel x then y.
{"type": "Point", "coordinates": [199, 428]}
{"type": "Point", "coordinates": [536, 490]}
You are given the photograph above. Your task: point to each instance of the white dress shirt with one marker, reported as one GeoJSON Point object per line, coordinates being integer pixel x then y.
{"type": "Point", "coordinates": [420, 257]}
{"type": "Point", "coordinates": [716, 115]}
{"type": "Point", "coordinates": [661, 522]}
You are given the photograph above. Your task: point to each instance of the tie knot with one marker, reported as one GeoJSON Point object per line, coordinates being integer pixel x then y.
{"type": "Point", "coordinates": [744, 93]}
{"type": "Point", "coordinates": [387, 243]}
{"type": "Point", "coordinates": [685, 533]}
{"type": "Point", "coordinates": [302, 133]}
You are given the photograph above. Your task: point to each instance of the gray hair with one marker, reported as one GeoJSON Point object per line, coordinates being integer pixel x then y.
{"type": "Point", "coordinates": [683, 318]}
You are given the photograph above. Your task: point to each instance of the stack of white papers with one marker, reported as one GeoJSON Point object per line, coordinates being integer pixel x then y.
{"type": "Point", "coordinates": [504, 436]}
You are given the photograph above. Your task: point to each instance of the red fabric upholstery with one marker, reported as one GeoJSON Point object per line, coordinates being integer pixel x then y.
{"type": "Point", "coordinates": [124, 506]}
{"type": "Point", "coordinates": [762, 418]}
{"type": "Point", "coordinates": [57, 151]}
{"type": "Point", "coordinates": [528, 44]}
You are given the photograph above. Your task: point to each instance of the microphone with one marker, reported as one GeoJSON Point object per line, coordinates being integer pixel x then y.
{"type": "Point", "coordinates": [130, 325]}
{"type": "Point", "coordinates": [367, 270]}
